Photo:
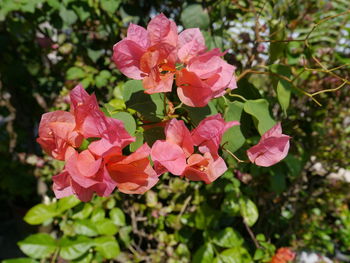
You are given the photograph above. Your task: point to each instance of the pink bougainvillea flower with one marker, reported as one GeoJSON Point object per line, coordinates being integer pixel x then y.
{"type": "Point", "coordinates": [56, 133]}
{"type": "Point", "coordinates": [171, 154]}
{"type": "Point", "coordinates": [213, 77]}
{"type": "Point", "coordinates": [191, 43]}
{"type": "Point", "coordinates": [149, 54]}
{"type": "Point", "coordinates": [176, 132]}
{"type": "Point", "coordinates": [208, 134]}
{"type": "Point", "coordinates": [272, 147]}
{"type": "Point", "coordinates": [83, 175]}
{"type": "Point", "coordinates": [133, 174]}
{"type": "Point", "coordinates": [168, 156]}
{"type": "Point", "coordinates": [92, 123]}
{"type": "Point", "coordinates": [204, 168]}
{"type": "Point", "coordinates": [193, 91]}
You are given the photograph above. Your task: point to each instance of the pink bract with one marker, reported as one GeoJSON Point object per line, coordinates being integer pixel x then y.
{"type": "Point", "coordinates": [82, 176]}
{"type": "Point", "coordinates": [272, 147]}
{"type": "Point", "coordinates": [92, 123]}
{"type": "Point", "coordinates": [57, 133]}
{"type": "Point", "coordinates": [204, 168]}
{"type": "Point", "coordinates": [133, 174]}
{"type": "Point", "coordinates": [208, 134]}
{"type": "Point", "coordinates": [149, 54]}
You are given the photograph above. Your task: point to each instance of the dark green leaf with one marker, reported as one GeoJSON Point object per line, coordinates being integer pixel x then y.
{"type": "Point", "coordinates": [205, 254]}
{"type": "Point", "coordinates": [228, 238]}
{"type": "Point", "coordinates": [233, 137]}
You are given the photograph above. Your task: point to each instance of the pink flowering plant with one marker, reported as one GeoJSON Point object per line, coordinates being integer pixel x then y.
{"type": "Point", "coordinates": [179, 123]}
{"type": "Point", "coordinates": [185, 75]}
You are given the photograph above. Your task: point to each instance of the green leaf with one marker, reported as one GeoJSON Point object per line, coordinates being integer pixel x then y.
{"type": "Point", "coordinates": [195, 16]}
{"type": "Point", "coordinates": [67, 203]}
{"type": "Point", "coordinates": [228, 238]}
{"type": "Point", "coordinates": [127, 119]}
{"type": "Point", "coordinates": [283, 94]}
{"type": "Point", "coordinates": [205, 254]}
{"type": "Point", "coordinates": [117, 216]}
{"type": "Point", "coordinates": [98, 215]}
{"type": "Point", "coordinates": [40, 213]}
{"type": "Point", "coordinates": [95, 55]}
{"type": "Point", "coordinates": [233, 137]}
{"type": "Point", "coordinates": [153, 134]}
{"type": "Point", "coordinates": [248, 210]}
{"type": "Point", "coordinates": [234, 255]}
{"type": "Point", "coordinates": [85, 212]}
{"type": "Point", "coordinates": [38, 245]}
{"type": "Point", "coordinates": [20, 260]}
{"type": "Point", "coordinates": [110, 6]}
{"type": "Point", "coordinates": [106, 227]}
{"type": "Point", "coordinates": [107, 246]}
{"type": "Point", "coordinates": [74, 248]}
{"type": "Point", "coordinates": [85, 227]}
{"type": "Point", "coordinates": [151, 107]}
{"type": "Point", "coordinates": [198, 114]}
{"type": "Point", "coordinates": [75, 73]}
{"type": "Point", "coordinates": [68, 16]}
{"type": "Point", "coordinates": [260, 110]}
{"type": "Point", "coordinates": [137, 143]}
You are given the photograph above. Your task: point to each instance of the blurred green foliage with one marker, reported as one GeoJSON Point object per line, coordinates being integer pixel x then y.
{"type": "Point", "coordinates": [48, 46]}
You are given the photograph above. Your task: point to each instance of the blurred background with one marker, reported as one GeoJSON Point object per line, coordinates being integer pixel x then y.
{"type": "Point", "coordinates": [49, 46]}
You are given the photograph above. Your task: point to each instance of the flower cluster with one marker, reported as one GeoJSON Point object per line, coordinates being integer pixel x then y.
{"type": "Point", "coordinates": [283, 255]}
{"type": "Point", "coordinates": [102, 167]}
{"type": "Point", "coordinates": [93, 145]}
{"type": "Point", "coordinates": [159, 53]}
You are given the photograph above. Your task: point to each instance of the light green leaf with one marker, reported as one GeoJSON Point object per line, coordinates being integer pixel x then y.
{"type": "Point", "coordinates": [128, 120]}
{"type": "Point", "coordinates": [284, 94]}
{"type": "Point", "coordinates": [107, 246]}
{"type": "Point", "coordinates": [106, 227]}
{"type": "Point", "coordinates": [248, 210]}
{"type": "Point", "coordinates": [66, 203]}
{"type": "Point", "coordinates": [40, 213]}
{"type": "Point", "coordinates": [205, 254]}
{"type": "Point", "coordinates": [85, 212]}
{"type": "Point", "coordinates": [228, 238]}
{"type": "Point", "coordinates": [68, 16]}
{"type": "Point", "coordinates": [85, 227]}
{"type": "Point", "coordinates": [74, 248]}
{"type": "Point", "coordinates": [110, 6]}
{"type": "Point", "coordinates": [38, 245]}
{"type": "Point", "coordinates": [98, 215]}
{"type": "Point", "coordinates": [260, 110]}
{"type": "Point", "coordinates": [75, 73]}
{"type": "Point", "coordinates": [195, 16]}
{"type": "Point", "coordinates": [234, 255]}
{"type": "Point", "coordinates": [117, 216]}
